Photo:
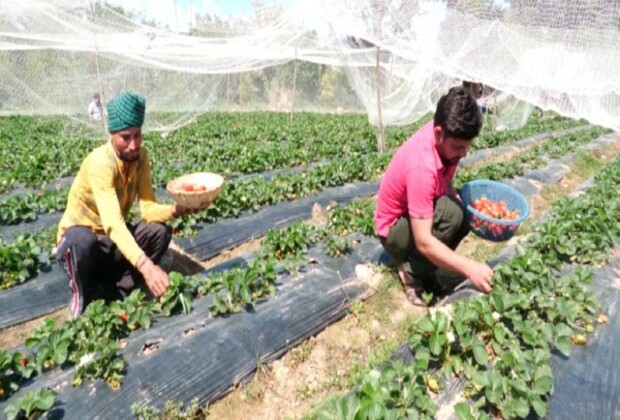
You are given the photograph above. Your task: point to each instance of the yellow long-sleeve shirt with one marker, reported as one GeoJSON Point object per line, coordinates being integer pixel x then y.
{"type": "Point", "coordinates": [101, 197]}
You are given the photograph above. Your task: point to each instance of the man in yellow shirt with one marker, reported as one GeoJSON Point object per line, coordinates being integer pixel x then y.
{"type": "Point", "coordinates": [103, 254]}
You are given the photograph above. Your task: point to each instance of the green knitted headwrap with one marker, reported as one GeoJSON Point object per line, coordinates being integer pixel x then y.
{"type": "Point", "coordinates": [124, 111]}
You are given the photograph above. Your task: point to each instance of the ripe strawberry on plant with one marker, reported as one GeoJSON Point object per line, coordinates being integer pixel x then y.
{"type": "Point", "coordinates": [22, 360]}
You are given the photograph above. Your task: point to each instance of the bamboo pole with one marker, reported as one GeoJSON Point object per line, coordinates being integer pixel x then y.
{"type": "Point", "coordinates": [101, 94]}
{"type": "Point", "coordinates": [494, 111]}
{"type": "Point", "coordinates": [380, 128]}
{"type": "Point", "coordinates": [176, 18]}
{"type": "Point", "coordinates": [294, 86]}
{"type": "Point", "coordinates": [240, 90]}
{"type": "Point", "coordinates": [228, 90]}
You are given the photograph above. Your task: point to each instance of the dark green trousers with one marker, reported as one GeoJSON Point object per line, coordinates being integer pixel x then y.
{"type": "Point", "coordinates": [449, 226]}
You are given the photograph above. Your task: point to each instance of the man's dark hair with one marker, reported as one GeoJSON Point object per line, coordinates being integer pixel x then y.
{"type": "Point", "coordinates": [458, 114]}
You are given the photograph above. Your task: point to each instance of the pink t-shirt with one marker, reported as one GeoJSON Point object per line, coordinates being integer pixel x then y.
{"type": "Point", "coordinates": [413, 181]}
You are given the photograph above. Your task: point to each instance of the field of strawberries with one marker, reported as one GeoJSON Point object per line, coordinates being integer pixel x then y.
{"type": "Point", "coordinates": [494, 355]}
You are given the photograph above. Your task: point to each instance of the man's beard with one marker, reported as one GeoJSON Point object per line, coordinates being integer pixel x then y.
{"type": "Point", "coordinates": [450, 162]}
{"type": "Point", "coordinates": [125, 157]}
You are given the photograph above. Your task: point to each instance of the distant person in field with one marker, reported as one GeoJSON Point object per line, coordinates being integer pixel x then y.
{"type": "Point", "coordinates": [419, 217]}
{"type": "Point", "coordinates": [105, 256]}
{"type": "Point", "coordinates": [95, 109]}
{"type": "Point", "coordinates": [475, 89]}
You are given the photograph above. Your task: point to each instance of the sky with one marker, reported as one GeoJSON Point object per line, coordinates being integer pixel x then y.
{"type": "Point", "coordinates": [179, 12]}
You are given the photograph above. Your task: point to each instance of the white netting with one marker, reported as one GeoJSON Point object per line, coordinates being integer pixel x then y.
{"type": "Point", "coordinates": [332, 55]}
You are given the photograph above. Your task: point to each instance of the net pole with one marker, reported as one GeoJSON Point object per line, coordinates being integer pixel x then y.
{"type": "Point", "coordinates": [494, 111]}
{"type": "Point", "coordinates": [191, 17]}
{"type": "Point", "coordinates": [294, 86]}
{"type": "Point", "coordinates": [240, 90]}
{"type": "Point", "coordinates": [227, 90]}
{"type": "Point", "coordinates": [176, 17]}
{"type": "Point", "coordinates": [102, 96]}
{"type": "Point", "coordinates": [380, 128]}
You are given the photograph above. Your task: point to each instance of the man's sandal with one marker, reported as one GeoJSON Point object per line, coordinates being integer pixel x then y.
{"type": "Point", "coordinates": [413, 288]}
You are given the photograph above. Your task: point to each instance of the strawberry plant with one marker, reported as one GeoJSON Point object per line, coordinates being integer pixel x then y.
{"type": "Point", "coordinates": [137, 308]}
{"type": "Point", "coordinates": [178, 297]}
{"type": "Point", "coordinates": [227, 143]}
{"type": "Point", "coordinates": [237, 288]}
{"type": "Point", "coordinates": [171, 411]}
{"type": "Point", "coordinates": [355, 217]}
{"type": "Point", "coordinates": [337, 247]}
{"type": "Point", "coordinates": [14, 369]}
{"type": "Point", "coordinates": [261, 275]}
{"type": "Point", "coordinates": [16, 209]}
{"type": "Point", "coordinates": [399, 391]}
{"type": "Point", "coordinates": [18, 261]}
{"type": "Point", "coordinates": [32, 405]}
{"type": "Point", "coordinates": [293, 240]}
{"type": "Point", "coordinates": [90, 342]}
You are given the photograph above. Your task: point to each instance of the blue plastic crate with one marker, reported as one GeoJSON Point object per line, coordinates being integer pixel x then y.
{"type": "Point", "coordinates": [488, 227]}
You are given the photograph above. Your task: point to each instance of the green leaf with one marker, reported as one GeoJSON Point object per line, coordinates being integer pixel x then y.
{"type": "Point", "coordinates": [563, 345]}
{"type": "Point", "coordinates": [425, 324]}
{"type": "Point", "coordinates": [422, 357]}
{"type": "Point", "coordinates": [539, 407]}
{"type": "Point", "coordinates": [463, 411]}
{"type": "Point", "coordinates": [499, 332]}
{"type": "Point", "coordinates": [498, 302]}
{"type": "Point", "coordinates": [481, 378]}
{"type": "Point", "coordinates": [145, 321]}
{"type": "Point", "coordinates": [542, 370]}
{"type": "Point", "coordinates": [376, 411]}
{"type": "Point", "coordinates": [523, 409]}
{"type": "Point", "coordinates": [61, 352]}
{"type": "Point", "coordinates": [519, 386]}
{"type": "Point", "coordinates": [543, 385]}
{"type": "Point", "coordinates": [32, 341]}
{"type": "Point", "coordinates": [457, 364]}
{"type": "Point", "coordinates": [480, 353]}
{"type": "Point", "coordinates": [447, 370]}
{"type": "Point", "coordinates": [12, 412]}
{"type": "Point", "coordinates": [436, 343]}
{"type": "Point", "coordinates": [548, 332]}
{"type": "Point", "coordinates": [508, 358]}
{"type": "Point", "coordinates": [563, 330]}
{"type": "Point", "coordinates": [45, 399]}
{"type": "Point", "coordinates": [442, 321]}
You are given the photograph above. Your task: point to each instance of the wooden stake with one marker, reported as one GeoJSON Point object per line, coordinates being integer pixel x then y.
{"type": "Point", "coordinates": [294, 86]}
{"type": "Point", "coordinates": [101, 93]}
{"type": "Point", "coordinates": [494, 111]}
{"type": "Point", "coordinates": [380, 128]}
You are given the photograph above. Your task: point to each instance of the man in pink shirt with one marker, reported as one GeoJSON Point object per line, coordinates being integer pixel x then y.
{"type": "Point", "coordinates": [419, 217]}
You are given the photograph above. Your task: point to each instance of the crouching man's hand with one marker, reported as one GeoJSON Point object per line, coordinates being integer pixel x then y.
{"type": "Point", "coordinates": [480, 275]}
{"type": "Point", "coordinates": [156, 279]}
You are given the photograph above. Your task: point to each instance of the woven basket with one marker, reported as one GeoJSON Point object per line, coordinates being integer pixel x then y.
{"type": "Point", "coordinates": [196, 199]}
{"type": "Point", "coordinates": [496, 230]}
